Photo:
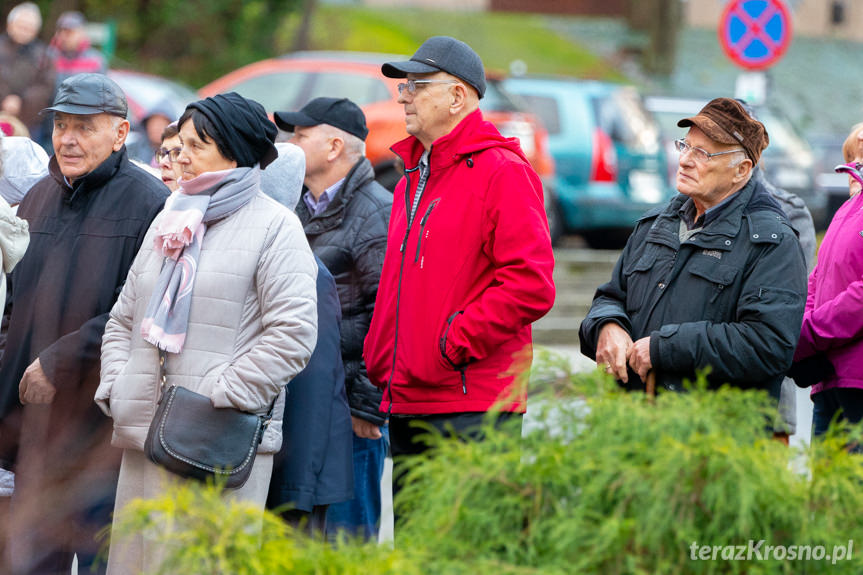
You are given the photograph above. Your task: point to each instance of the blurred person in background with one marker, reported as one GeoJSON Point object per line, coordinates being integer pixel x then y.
{"type": "Point", "coordinates": [345, 213]}
{"type": "Point", "coordinates": [14, 238]}
{"type": "Point", "coordinates": [26, 163]}
{"type": "Point", "coordinates": [26, 70]}
{"type": "Point", "coordinates": [314, 467]}
{"type": "Point", "coordinates": [243, 324]}
{"type": "Point", "coordinates": [87, 221]}
{"type": "Point", "coordinates": [150, 133]}
{"type": "Point", "coordinates": [71, 50]}
{"type": "Point", "coordinates": [852, 152]}
{"type": "Point", "coordinates": [830, 350]}
{"type": "Point", "coordinates": [169, 157]}
{"type": "Point", "coordinates": [801, 220]}
{"type": "Point", "coordinates": [12, 126]}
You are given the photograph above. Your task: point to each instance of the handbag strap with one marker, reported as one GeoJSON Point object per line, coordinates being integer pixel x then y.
{"type": "Point", "coordinates": [163, 382]}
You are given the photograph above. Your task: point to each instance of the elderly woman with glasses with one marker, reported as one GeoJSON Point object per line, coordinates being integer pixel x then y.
{"type": "Point", "coordinates": [168, 156]}
{"type": "Point", "coordinates": [830, 350]}
{"type": "Point", "coordinates": [223, 290]}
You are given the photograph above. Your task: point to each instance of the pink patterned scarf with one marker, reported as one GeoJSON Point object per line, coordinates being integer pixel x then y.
{"type": "Point", "coordinates": [180, 230]}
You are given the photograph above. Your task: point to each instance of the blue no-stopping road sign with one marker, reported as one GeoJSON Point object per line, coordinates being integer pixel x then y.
{"type": "Point", "coordinates": [755, 33]}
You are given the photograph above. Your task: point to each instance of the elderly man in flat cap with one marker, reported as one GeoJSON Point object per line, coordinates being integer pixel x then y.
{"type": "Point", "coordinates": [87, 220]}
{"type": "Point", "coordinates": [716, 278]}
{"type": "Point", "coordinates": [468, 266]}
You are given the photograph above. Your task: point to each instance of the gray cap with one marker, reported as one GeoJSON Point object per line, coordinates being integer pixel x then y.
{"type": "Point", "coordinates": [70, 20]}
{"type": "Point", "coordinates": [89, 94]}
{"type": "Point", "coordinates": [442, 53]}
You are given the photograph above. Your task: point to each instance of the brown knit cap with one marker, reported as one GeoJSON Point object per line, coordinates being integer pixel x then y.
{"type": "Point", "coordinates": [725, 121]}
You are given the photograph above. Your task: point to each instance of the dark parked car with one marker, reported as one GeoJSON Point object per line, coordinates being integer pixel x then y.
{"type": "Point", "coordinates": [788, 161]}
{"type": "Point", "coordinates": [145, 92]}
{"type": "Point", "coordinates": [827, 149]}
{"type": "Point", "coordinates": [609, 161]}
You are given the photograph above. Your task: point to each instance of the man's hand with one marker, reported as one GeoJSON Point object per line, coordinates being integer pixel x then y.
{"type": "Point", "coordinates": [365, 429]}
{"type": "Point", "coordinates": [35, 387]}
{"type": "Point", "coordinates": [639, 357]}
{"type": "Point", "coordinates": [612, 350]}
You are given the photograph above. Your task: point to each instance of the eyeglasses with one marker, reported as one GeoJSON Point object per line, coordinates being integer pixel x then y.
{"type": "Point", "coordinates": [173, 154]}
{"type": "Point", "coordinates": [411, 85]}
{"type": "Point", "coordinates": [698, 154]}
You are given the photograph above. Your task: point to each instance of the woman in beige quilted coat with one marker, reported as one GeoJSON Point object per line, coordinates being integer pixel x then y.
{"type": "Point", "coordinates": [225, 284]}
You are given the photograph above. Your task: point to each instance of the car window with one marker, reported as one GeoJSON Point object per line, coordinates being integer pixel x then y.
{"type": "Point", "coordinates": [624, 117]}
{"type": "Point", "coordinates": [496, 99]}
{"type": "Point", "coordinates": [361, 89]}
{"type": "Point", "coordinates": [547, 109]}
{"type": "Point", "coordinates": [275, 91]}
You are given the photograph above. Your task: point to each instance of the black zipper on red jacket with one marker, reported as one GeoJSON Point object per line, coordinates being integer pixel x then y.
{"type": "Point", "coordinates": [399, 290]}
{"type": "Point", "coordinates": [423, 227]}
{"type": "Point", "coordinates": [461, 368]}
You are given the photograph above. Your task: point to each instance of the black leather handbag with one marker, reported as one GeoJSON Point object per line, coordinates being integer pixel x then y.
{"type": "Point", "coordinates": [193, 439]}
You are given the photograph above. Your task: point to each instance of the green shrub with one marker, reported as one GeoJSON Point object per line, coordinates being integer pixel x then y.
{"type": "Point", "coordinates": [601, 482]}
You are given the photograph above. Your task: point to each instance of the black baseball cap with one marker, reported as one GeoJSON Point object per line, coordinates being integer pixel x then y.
{"type": "Point", "coordinates": [89, 94]}
{"type": "Point", "coordinates": [338, 112]}
{"type": "Point", "coordinates": [442, 53]}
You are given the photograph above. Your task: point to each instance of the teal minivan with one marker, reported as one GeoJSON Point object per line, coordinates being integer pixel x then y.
{"type": "Point", "coordinates": [609, 158]}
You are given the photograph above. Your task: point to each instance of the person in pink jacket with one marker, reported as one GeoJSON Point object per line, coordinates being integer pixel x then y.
{"type": "Point", "coordinates": [468, 265]}
{"type": "Point", "coordinates": [831, 338]}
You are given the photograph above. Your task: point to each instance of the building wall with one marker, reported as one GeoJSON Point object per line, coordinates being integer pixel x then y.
{"type": "Point", "coordinates": [580, 7]}
{"type": "Point", "coordinates": [465, 5]}
{"type": "Point", "coordinates": [808, 17]}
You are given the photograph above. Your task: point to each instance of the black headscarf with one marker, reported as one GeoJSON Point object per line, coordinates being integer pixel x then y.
{"type": "Point", "coordinates": [243, 127]}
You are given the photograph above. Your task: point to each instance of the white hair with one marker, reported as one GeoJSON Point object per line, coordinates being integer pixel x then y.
{"type": "Point", "coordinates": [355, 148]}
{"type": "Point", "coordinates": [25, 8]}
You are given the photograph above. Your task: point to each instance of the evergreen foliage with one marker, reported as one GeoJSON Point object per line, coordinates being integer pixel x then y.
{"type": "Point", "coordinates": [601, 482]}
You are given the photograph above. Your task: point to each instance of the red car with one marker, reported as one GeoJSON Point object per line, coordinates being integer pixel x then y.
{"type": "Point", "coordinates": [289, 82]}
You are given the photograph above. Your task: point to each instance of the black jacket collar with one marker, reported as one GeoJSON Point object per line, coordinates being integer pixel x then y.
{"type": "Point", "coordinates": [92, 181]}
{"type": "Point", "coordinates": [332, 217]}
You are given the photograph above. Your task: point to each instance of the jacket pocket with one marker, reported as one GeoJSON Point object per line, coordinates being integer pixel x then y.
{"type": "Point", "coordinates": [638, 282]}
{"type": "Point", "coordinates": [719, 275]}
{"type": "Point", "coordinates": [715, 282]}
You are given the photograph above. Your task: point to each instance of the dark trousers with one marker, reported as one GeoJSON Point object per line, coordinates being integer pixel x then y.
{"type": "Point", "coordinates": [405, 438]}
{"type": "Point", "coordinates": [313, 522]}
{"type": "Point", "coordinates": [830, 401]}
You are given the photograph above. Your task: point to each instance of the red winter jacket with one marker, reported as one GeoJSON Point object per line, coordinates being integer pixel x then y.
{"type": "Point", "coordinates": [460, 288]}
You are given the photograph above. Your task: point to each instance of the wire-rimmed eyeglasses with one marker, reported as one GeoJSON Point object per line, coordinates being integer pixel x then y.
{"type": "Point", "coordinates": [700, 155]}
{"type": "Point", "coordinates": [411, 85]}
{"type": "Point", "coordinates": [172, 154]}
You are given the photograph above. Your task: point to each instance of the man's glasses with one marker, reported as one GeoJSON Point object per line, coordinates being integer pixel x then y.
{"type": "Point", "coordinates": [698, 154]}
{"type": "Point", "coordinates": [411, 85]}
{"type": "Point", "coordinates": [172, 154]}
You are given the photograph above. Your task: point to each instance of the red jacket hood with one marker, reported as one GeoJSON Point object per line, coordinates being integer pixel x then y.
{"type": "Point", "coordinates": [471, 135]}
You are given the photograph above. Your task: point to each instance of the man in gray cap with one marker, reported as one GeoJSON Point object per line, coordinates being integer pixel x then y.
{"type": "Point", "coordinates": [87, 220]}
{"type": "Point", "coordinates": [345, 214]}
{"type": "Point", "coordinates": [469, 262]}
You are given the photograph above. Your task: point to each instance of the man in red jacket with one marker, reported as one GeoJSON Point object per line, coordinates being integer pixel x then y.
{"type": "Point", "coordinates": [469, 262]}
